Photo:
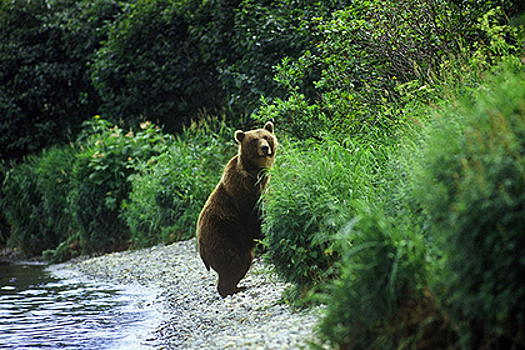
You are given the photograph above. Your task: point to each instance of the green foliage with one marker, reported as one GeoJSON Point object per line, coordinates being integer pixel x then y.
{"type": "Point", "coordinates": [296, 114]}
{"type": "Point", "coordinates": [151, 66]}
{"type": "Point", "coordinates": [383, 270]}
{"type": "Point", "coordinates": [477, 8]}
{"type": "Point", "coordinates": [461, 73]}
{"type": "Point", "coordinates": [168, 195]}
{"type": "Point", "coordinates": [63, 61]}
{"type": "Point", "coordinates": [101, 179]}
{"type": "Point", "coordinates": [45, 88]}
{"type": "Point", "coordinates": [311, 196]}
{"type": "Point", "coordinates": [35, 200]}
{"type": "Point", "coordinates": [5, 231]}
{"type": "Point", "coordinates": [473, 188]}
{"type": "Point", "coordinates": [265, 33]}
{"type": "Point", "coordinates": [349, 82]}
{"type": "Point", "coordinates": [390, 256]}
{"type": "Point", "coordinates": [363, 53]}
{"type": "Point", "coordinates": [114, 188]}
{"type": "Point", "coordinates": [20, 197]}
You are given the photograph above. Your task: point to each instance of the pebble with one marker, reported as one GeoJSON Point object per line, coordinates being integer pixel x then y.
{"type": "Point", "coordinates": [194, 316]}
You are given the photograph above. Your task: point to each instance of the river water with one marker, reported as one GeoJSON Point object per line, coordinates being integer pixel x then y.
{"type": "Point", "coordinates": [49, 308]}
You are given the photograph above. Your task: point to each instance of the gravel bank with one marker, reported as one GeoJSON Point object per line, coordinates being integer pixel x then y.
{"type": "Point", "coordinates": [194, 315]}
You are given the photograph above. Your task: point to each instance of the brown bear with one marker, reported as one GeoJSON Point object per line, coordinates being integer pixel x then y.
{"type": "Point", "coordinates": [230, 222]}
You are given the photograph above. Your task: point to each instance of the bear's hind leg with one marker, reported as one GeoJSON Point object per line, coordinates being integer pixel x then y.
{"type": "Point", "coordinates": [228, 278]}
{"type": "Point", "coordinates": [228, 287]}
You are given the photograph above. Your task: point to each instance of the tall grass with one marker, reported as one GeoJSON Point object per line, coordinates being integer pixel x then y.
{"type": "Point", "coordinates": [471, 182]}
{"type": "Point", "coordinates": [35, 200]}
{"type": "Point", "coordinates": [169, 192]}
{"type": "Point", "coordinates": [437, 262]}
{"type": "Point", "coordinates": [383, 274]}
{"type": "Point", "coordinates": [114, 189]}
{"type": "Point", "coordinates": [312, 194]}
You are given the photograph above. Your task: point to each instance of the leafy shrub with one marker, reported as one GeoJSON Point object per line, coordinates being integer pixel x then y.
{"type": "Point", "coordinates": [311, 196]}
{"type": "Point", "coordinates": [474, 9]}
{"type": "Point", "coordinates": [71, 199]}
{"type": "Point", "coordinates": [381, 298]}
{"type": "Point", "coordinates": [381, 294]}
{"type": "Point", "coordinates": [473, 188]}
{"type": "Point", "coordinates": [168, 59]}
{"type": "Point", "coordinates": [265, 33]}
{"type": "Point", "coordinates": [151, 66]}
{"type": "Point", "coordinates": [45, 85]}
{"type": "Point", "coordinates": [168, 195]}
{"type": "Point", "coordinates": [5, 231]}
{"type": "Point", "coordinates": [101, 180]}
{"type": "Point", "coordinates": [363, 53]}
{"type": "Point", "coordinates": [22, 207]}
{"type": "Point", "coordinates": [407, 304]}
{"type": "Point", "coordinates": [35, 200]}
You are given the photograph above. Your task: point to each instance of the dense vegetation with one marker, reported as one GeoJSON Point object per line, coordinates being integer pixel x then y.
{"type": "Point", "coordinates": [398, 194]}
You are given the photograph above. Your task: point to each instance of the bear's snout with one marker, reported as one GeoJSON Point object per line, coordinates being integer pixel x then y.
{"type": "Point", "coordinates": [266, 150]}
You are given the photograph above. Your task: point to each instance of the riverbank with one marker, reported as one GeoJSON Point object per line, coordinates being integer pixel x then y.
{"type": "Point", "coordinates": [194, 316]}
{"type": "Point", "coordinates": [9, 256]}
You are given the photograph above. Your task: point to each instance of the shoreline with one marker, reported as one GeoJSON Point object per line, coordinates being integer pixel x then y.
{"type": "Point", "coordinates": [193, 315]}
{"type": "Point", "coordinates": [13, 256]}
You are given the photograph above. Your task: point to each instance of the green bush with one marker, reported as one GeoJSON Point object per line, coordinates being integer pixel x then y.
{"type": "Point", "coordinates": [35, 202]}
{"type": "Point", "coordinates": [168, 195]}
{"type": "Point", "coordinates": [63, 61]}
{"type": "Point", "coordinates": [101, 180]}
{"type": "Point", "coordinates": [399, 268]}
{"type": "Point", "coordinates": [474, 9]}
{"type": "Point", "coordinates": [45, 85]}
{"type": "Point", "coordinates": [381, 299]}
{"type": "Point", "coordinates": [72, 199]}
{"type": "Point", "coordinates": [151, 66]}
{"type": "Point", "coordinates": [363, 52]}
{"type": "Point", "coordinates": [265, 33]}
{"type": "Point", "coordinates": [472, 186]}
{"type": "Point", "coordinates": [167, 60]}
{"type": "Point", "coordinates": [380, 295]}
{"type": "Point", "coordinates": [23, 209]}
{"type": "Point", "coordinates": [5, 231]}
{"type": "Point", "coordinates": [310, 198]}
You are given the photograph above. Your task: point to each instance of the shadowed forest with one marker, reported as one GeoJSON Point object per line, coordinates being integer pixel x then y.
{"type": "Point", "coordinates": [397, 198]}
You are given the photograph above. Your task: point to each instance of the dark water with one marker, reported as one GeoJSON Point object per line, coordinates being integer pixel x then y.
{"type": "Point", "coordinates": [42, 309]}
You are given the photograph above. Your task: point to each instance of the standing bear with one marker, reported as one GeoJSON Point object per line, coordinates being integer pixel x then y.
{"type": "Point", "coordinates": [230, 221]}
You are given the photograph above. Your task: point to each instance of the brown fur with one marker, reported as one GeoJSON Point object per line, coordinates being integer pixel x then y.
{"type": "Point", "coordinates": [230, 221]}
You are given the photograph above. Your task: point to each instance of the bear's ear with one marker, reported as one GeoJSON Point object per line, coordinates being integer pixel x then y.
{"type": "Point", "coordinates": [239, 135]}
{"type": "Point", "coordinates": [269, 126]}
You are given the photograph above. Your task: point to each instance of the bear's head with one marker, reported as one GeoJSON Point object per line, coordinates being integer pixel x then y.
{"type": "Point", "coordinates": [257, 147]}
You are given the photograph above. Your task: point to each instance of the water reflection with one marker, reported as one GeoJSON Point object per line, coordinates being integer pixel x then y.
{"type": "Point", "coordinates": [39, 310]}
